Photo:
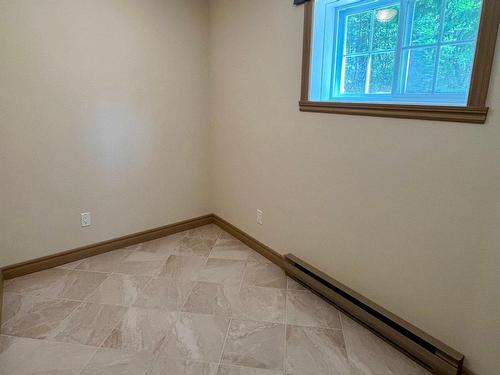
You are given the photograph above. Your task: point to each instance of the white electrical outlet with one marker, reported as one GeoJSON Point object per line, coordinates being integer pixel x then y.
{"type": "Point", "coordinates": [85, 218]}
{"type": "Point", "coordinates": [260, 216]}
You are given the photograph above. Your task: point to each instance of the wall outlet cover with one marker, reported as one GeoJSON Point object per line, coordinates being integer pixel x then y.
{"type": "Point", "coordinates": [260, 216]}
{"type": "Point", "coordinates": [85, 219]}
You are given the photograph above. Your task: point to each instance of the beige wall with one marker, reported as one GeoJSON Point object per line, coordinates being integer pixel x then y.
{"type": "Point", "coordinates": [102, 108]}
{"type": "Point", "coordinates": [400, 210]}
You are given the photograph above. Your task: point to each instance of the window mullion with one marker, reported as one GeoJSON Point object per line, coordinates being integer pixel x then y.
{"type": "Point", "coordinates": [438, 48]}
{"type": "Point", "coordinates": [370, 48]}
{"type": "Point", "coordinates": [398, 56]}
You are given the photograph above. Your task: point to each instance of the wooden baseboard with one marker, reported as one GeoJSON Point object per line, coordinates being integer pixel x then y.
{"type": "Point", "coordinates": [251, 242]}
{"type": "Point", "coordinates": [268, 252]}
{"type": "Point", "coordinates": [69, 256]}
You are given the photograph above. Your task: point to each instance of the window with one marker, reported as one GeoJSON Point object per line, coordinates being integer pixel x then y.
{"type": "Point", "coordinates": [411, 58]}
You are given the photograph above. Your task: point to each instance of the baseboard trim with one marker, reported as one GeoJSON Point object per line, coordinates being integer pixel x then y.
{"type": "Point", "coordinates": [251, 242]}
{"type": "Point", "coordinates": [279, 260]}
{"type": "Point", "coordinates": [69, 256]}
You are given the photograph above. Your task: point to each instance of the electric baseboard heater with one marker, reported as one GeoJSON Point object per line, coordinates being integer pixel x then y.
{"type": "Point", "coordinates": [431, 353]}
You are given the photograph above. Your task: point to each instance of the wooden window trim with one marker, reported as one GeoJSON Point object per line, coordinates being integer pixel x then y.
{"type": "Point", "coordinates": [474, 112]}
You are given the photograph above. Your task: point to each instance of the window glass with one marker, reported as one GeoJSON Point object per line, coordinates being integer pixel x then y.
{"type": "Point", "coordinates": [385, 29]}
{"type": "Point", "coordinates": [426, 22]}
{"type": "Point", "coordinates": [399, 51]}
{"type": "Point", "coordinates": [382, 72]}
{"type": "Point", "coordinates": [355, 68]}
{"type": "Point", "coordinates": [454, 70]}
{"type": "Point", "coordinates": [358, 32]}
{"type": "Point", "coordinates": [461, 20]}
{"type": "Point", "coordinates": [420, 73]}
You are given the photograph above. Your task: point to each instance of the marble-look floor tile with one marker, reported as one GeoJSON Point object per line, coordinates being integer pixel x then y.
{"type": "Point", "coordinates": [119, 289]}
{"type": "Point", "coordinates": [104, 262]}
{"type": "Point", "coordinates": [263, 304]}
{"type": "Point", "coordinates": [210, 231]}
{"type": "Point", "coordinates": [214, 279]}
{"type": "Point", "coordinates": [210, 298]}
{"type": "Point", "coordinates": [166, 366]}
{"type": "Point", "coordinates": [163, 245]}
{"type": "Point", "coordinates": [255, 344]}
{"type": "Point", "coordinates": [194, 246]}
{"type": "Point", "coordinates": [238, 370]}
{"type": "Point", "coordinates": [307, 309]}
{"type": "Point", "coordinates": [230, 249]}
{"type": "Point", "coordinates": [47, 283]}
{"type": "Point", "coordinates": [222, 271]}
{"type": "Point", "coordinates": [182, 267]}
{"type": "Point", "coordinates": [11, 305]}
{"type": "Point", "coordinates": [166, 294]}
{"type": "Point", "coordinates": [139, 265]}
{"type": "Point", "coordinates": [140, 255]}
{"type": "Point", "coordinates": [57, 283]}
{"type": "Point", "coordinates": [264, 274]}
{"type": "Point", "coordinates": [37, 317]}
{"type": "Point", "coordinates": [6, 342]}
{"type": "Point", "coordinates": [71, 266]}
{"type": "Point", "coordinates": [372, 356]}
{"type": "Point", "coordinates": [255, 257]}
{"type": "Point", "coordinates": [225, 235]}
{"type": "Point", "coordinates": [116, 362]}
{"type": "Point", "coordinates": [316, 351]}
{"type": "Point", "coordinates": [77, 285]}
{"type": "Point", "coordinates": [89, 324]}
{"type": "Point", "coordinates": [196, 337]}
{"type": "Point", "coordinates": [294, 285]}
{"type": "Point", "coordinates": [141, 329]}
{"type": "Point", "coordinates": [21, 356]}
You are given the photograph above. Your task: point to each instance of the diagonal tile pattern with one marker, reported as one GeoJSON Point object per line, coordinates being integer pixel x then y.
{"type": "Point", "coordinates": [255, 344]}
{"type": "Point", "coordinates": [141, 329]}
{"type": "Point", "coordinates": [121, 290]}
{"type": "Point", "coordinates": [21, 356]}
{"type": "Point", "coordinates": [37, 317]}
{"type": "Point", "coordinates": [116, 362]}
{"type": "Point", "coordinates": [305, 308]}
{"type": "Point", "coordinates": [198, 302]}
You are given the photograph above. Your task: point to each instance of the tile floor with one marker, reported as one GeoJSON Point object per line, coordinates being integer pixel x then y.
{"type": "Point", "coordinates": [194, 303]}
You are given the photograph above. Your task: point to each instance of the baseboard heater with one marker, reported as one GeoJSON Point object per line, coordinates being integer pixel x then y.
{"type": "Point", "coordinates": [431, 353]}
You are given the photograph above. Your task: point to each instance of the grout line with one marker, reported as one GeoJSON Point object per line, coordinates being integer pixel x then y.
{"type": "Point", "coordinates": [343, 336]}
{"type": "Point", "coordinates": [151, 278]}
{"type": "Point", "coordinates": [101, 344]}
{"type": "Point", "coordinates": [303, 291]}
{"type": "Point", "coordinates": [244, 274]}
{"type": "Point", "coordinates": [48, 341]}
{"type": "Point", "coordinates": [195, 282]}
{"type": "Point", "coordinates": [88, 361]}
{"type": "Point", "coordinates": [264, 287]}
{"type": "Point", "coordinates": [281, 372]}
{"type": "Point", "coordinates": [52, 336]}
{"type": "Point", "coordinates": [98, 286]}
{"type": "Point", "coordinates": [315, 327]}
{"type": "Point", "coordinates": [188, 294]}
{"type": "Point", "coordinates": [224, 344]}
{"type": "Point", "coordinates": [234, 317]}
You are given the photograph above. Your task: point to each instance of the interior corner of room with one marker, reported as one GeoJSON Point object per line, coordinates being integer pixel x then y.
{"type": "Point", "coordinates": [123, 121]}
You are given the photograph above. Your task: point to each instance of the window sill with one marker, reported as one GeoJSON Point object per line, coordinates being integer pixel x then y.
{"type": "Point", "coordinates": [475, 115]}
